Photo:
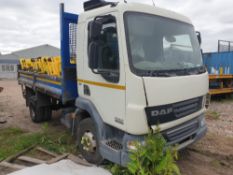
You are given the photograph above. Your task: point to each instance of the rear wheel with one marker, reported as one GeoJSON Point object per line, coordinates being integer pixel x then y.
{"type": "Point", "coordinates": [88, 142]}
{"type": "Point", "coordinates": [39, 114]}
{"type": "Point", "coordinates": [47, 113]}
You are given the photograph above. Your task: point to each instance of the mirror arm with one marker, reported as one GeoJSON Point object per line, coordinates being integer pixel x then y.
{"type": "Point", "coordinates": [104, 18]}
{"type": "Point", "coordinates": [199, 37]}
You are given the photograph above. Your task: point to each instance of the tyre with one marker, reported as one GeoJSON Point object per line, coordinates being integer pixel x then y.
{"type": "Point", "coordinates": [35, 114]}
{"type": "Point", "coordinates": [39, 114]}
{"type": "Point", "coordinates": [88, 142]}
{"type": "Point", "coordinates": [47, 114]}
{"type": "Point", "coordinates": [28, 94]}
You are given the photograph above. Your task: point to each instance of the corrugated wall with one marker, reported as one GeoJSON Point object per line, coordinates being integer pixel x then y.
{"type": "Point", "coordinates": [219, 62]}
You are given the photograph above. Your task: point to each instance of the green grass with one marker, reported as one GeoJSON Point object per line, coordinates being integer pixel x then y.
{"type": "Point", "coordinates": [212, 115]}
{"type": "Point", "coordinates": [14, 140]}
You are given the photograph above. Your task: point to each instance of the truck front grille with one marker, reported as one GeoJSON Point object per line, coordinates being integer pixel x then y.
{"type": "Point", "coordinates": [187, 107]}
{"type": "Point", "coordinates": [181, 132]}
{"type": "Point", "coordinates": [171, 112]}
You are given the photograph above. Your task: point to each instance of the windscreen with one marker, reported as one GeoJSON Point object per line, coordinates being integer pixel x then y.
{"type": "Point", "coordinates": [158, 44]}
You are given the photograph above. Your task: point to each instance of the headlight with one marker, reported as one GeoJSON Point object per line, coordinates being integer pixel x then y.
{"type": "Point", "coordinates": [133, 144]}
{"type": "Point", "coordinates": [203, 122]}
{"type": "Point", "coordinates": [206, 101]}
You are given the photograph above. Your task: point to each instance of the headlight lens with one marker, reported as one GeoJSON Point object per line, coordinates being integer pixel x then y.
{"type": "Point", "coordinates": [203, 122]}
{"type": "Point", "coordinates": [206, 101]}
{"type": "Point", "coordinates": [132, 145]}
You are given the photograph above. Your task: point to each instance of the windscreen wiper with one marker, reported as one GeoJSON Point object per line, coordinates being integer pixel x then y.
{"type": "Point", "coordinates": [163, 74]}
{"type": "Point", "coordinates": [196, 71]}
{"type": "Point", "coordinates": [156, 74]}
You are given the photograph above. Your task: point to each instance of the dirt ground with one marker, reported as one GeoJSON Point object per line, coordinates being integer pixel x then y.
{"type": "Point", "coordinates": [13, 109]}
{"type": "Point", "coordinates": [213, 155]}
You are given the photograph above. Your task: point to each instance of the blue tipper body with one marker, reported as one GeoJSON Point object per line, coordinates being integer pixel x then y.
{"type": "Point", "coordinates": [217, 60]}
{"type": "Point", "coordinates": [63, 88]}
{"type": "Point", "coordinates": [69, 79]}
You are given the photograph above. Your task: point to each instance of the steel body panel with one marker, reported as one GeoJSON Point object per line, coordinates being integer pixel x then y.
{"type": "Point", "coordinates": [69, 79]}
{"type": "Point", "coordinates": [49, 85]}
{"type": "Point", "coordinates": [215, 61]}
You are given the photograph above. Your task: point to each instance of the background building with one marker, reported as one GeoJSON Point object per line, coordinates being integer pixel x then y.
{"type": "Point", "coordinates": [9, 62]}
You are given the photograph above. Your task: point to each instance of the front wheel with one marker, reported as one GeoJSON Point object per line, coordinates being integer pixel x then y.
{"type": "Point", "coordinates": [88, 142]}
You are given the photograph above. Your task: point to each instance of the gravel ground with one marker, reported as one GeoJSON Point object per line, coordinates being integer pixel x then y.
{"type": "Point", "coordinates": [224, 124]}
{"type": "Point", "coordinates": [213, 155]}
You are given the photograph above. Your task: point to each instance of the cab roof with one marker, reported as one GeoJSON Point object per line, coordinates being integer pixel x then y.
{"type": "Point", "coordinates": [133, 7]}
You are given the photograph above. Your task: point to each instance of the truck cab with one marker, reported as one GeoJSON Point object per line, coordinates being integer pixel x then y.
{"type": "Point", "coordinates": [139, 68]}
{"type": "Point", "coordinates": [128, 70]}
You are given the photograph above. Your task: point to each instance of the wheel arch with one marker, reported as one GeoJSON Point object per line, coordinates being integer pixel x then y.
{"type": "Point", "coordinates": [86, 109]}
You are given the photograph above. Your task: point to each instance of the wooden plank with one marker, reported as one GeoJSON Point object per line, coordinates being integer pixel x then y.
{"type": "Point", "coordinates": [12, 158]}
{"type": "Point", "coordinates": [31, 160]}
{"type": "Point", "coordinates": [78, 160]}
{"type": "Point", "coordinates": [56, 159]}
{"type": "Point", "coordinates": [46, 151]}
{"type": "Point", "coordinates": [12, 165]}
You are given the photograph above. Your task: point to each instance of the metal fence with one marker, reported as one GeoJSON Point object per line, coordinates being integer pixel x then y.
{"type": "Point", "coordinates": [225, 46]}
{"type": "Point", "coordinates": [72, 40]}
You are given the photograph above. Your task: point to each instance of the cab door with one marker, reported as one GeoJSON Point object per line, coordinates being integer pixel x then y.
{"type": "Point", "coordinates": [105, 86]}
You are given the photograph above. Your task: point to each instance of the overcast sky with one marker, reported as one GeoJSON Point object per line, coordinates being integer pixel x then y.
{"type": "Point", "coordinates": [28, 23]}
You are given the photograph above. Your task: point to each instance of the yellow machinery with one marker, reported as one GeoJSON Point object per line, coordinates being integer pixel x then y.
{"type": "Point", "coordinates": [39, 64]}
{"type": "Point", "coordinates": [22, 63]}
{"type": "Point", "coordinates": [35, 67]}
{"type": "Point", "coordinates": [43, 65]}
{"type": "Point", "coordinates": [26, 64]}
{"type": "Point", "coordinates": [56, 66]}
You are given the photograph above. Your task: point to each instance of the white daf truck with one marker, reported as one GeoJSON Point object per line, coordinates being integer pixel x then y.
{"type": "Point", "coordinates": [137, 67]}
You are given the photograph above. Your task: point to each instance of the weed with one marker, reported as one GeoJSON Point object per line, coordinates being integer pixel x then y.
{"type": "Point", "coordinates": [215, 163]}
{"type": "Point", "coordinates": [212, 115]}
{"type": "Point", "coordinates": [151, 158]}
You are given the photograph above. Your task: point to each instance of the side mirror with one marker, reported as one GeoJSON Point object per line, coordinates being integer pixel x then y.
{"type": "Point", "coordinates": [93, 51]}
{"type": "Point", "coordinates": [95, 30]}
{"type": "Point", "coordinates": [94, 48]}
{"type": "Point", "coordinates": [95, 27]}
{"type": "Point", "coordinates": [199, 37]}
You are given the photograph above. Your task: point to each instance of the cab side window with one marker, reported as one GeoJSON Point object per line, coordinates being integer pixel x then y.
{"type": "Point", "coordinates": [103, 51]}
{"type": "Point", "coordinates": [109, 51]}
{"type": "Point", "coordinates": [108, 47]}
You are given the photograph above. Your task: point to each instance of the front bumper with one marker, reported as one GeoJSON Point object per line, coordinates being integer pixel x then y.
{"type": "Point", "coordinates": [182, 136]}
